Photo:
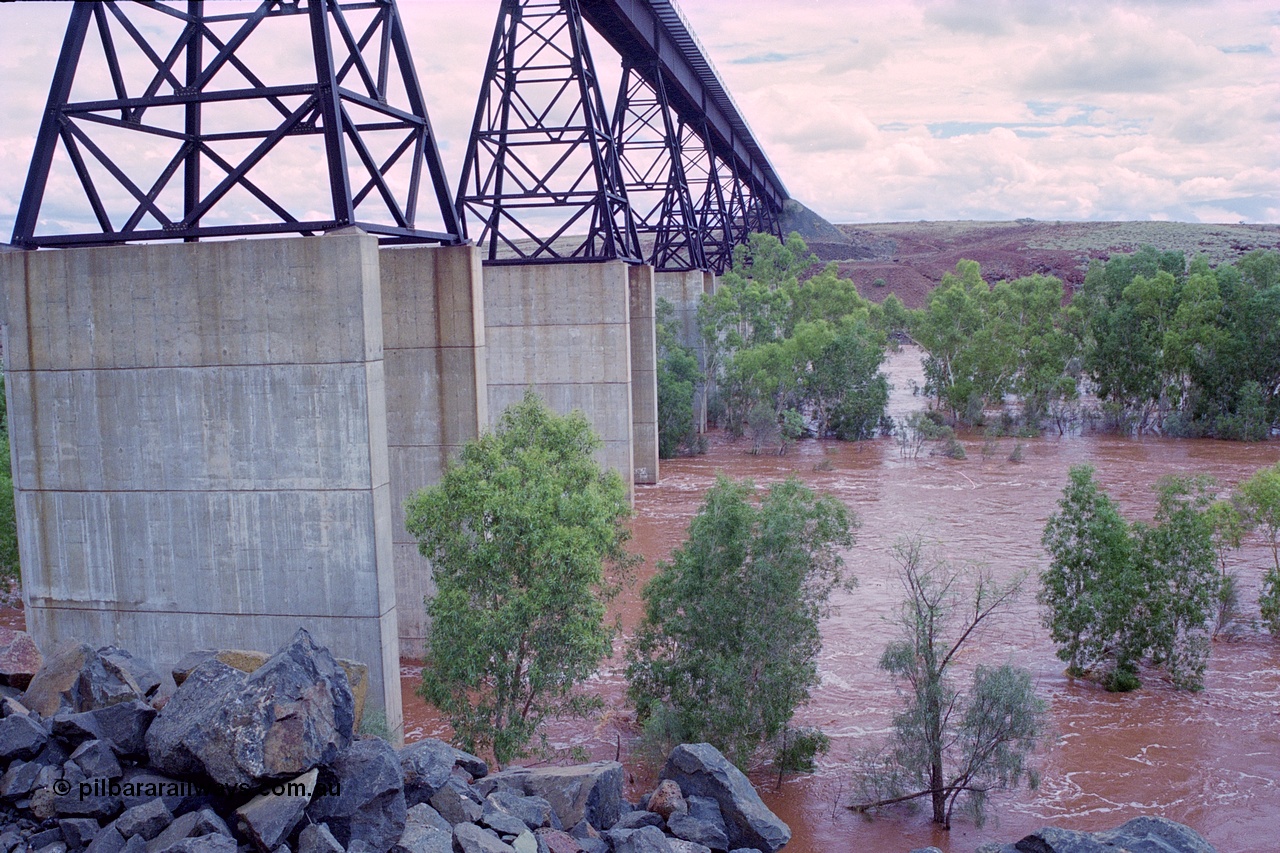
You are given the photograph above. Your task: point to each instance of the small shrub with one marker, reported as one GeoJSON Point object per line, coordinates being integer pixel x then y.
{"type": "Point", "coordinates": [374, 723]}
{"type": "Point", "coordinates": [1121, 680]}
{"type": "Point", "coordinates": [1016, 455]}
{"type": "Point", "coordinates": [879, 282]}
{"type": "Point", "coordinates": [799, 750]}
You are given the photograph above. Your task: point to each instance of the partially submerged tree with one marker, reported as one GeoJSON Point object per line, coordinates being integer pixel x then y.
{"type": "Point", "coordinates": [1260, 495]}
{"type": "Point", "coordinates": [518, 531]}
{"type": "Point", "coordinates": [728, 646]}
{"type": "Point", "coordinates": [1114, 594]}
{"type": "Point", "coordinates": [1180, 577]}
{"type": "Point", "coordinates": [950, 746]}
{"type": "Point", "coordinates": [1091, 580]}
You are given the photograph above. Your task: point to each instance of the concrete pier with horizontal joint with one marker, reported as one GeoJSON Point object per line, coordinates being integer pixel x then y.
{"type": "Point", "coordinates": [564, 330]}
{"type": "Point", "coordinates": [644, 376]}
{"type": "Point", "coordinates": [200, 444]}
{"type": "Point", "coordinates": [213, 442]}
{"type": "Point", "coordinates": [684, 290]}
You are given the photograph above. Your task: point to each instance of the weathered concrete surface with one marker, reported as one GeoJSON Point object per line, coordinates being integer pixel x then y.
{"type": "Point", "coordinates": [644, 376]}
{"type": "Point", "coordinates": [199, 438]}
{"type": "Point", "coordinates": [437, 393]}
{"type": "Point", "coordinates": [684, 290]}
{"type": "Point", "coordinates": [564, 330]}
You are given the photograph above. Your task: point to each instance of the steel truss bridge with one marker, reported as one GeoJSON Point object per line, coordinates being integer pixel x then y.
{"type": "Point", "coordinates": [174, 122]}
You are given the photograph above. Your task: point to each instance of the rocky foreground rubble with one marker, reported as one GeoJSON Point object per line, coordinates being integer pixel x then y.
{"type": "Point", "coordinates": [257, 753]}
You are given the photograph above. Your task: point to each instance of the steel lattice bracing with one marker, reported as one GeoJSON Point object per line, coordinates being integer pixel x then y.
{"type": "Point", "coordinates": [649, 149]}
{"type": "Point", "coordinates": [647, 31]}
{"type": "Point", "coordinates": [241, 150]}
{"type": "Point", "coordinates": [542, 167]}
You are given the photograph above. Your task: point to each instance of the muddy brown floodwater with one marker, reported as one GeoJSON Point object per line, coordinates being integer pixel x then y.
{"type": "Point", "coordinates": [1211, 760]}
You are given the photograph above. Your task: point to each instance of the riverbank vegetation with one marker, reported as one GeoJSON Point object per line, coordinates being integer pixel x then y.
{"type": "Point", "coordinates": [8, 508]}
{"type": "Point", "coordinates": [787, 358]}
{"type": "Point", "coordinates": [1161, 344]}
{"type": "Point", "coordinates": [1150, 342]}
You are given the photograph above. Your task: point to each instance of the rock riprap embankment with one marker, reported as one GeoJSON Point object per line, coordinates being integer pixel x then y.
{"type": "Point", "coordinates": [257, 752]}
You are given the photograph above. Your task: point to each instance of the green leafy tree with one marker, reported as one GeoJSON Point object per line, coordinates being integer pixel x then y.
{"type": "Point", "coordinates": [1229, 526]}
{"type": "Point", "coordinates": [1183, 348]}
{"type": "Point", "coordinates": [948, 746]}
{"type": "Point", "coordinates": [1115, 594]}
{"type": "Point", "coordinates": [727, 648]}
{"type": "Point", "coordinates": [983, 343]}
{"type": "Point", "coordinates": [1179, 567]}
{"type": "Point", "coordinates": [777, 342]}
{"type": "Point", "coordinates": [518, 532]}
{"type": "Point", "coordinates": [1087, 588]}
{"type": "Point", "coordinates": [1260, 497]}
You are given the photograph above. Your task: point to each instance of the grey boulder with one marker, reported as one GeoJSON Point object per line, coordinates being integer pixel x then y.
{"type": "Point", "coordinates": [292, 714]}
{"type": "Point", "coordinates": [586, 791]}
{"type": "Point", "coordinates": [702, 771]}
{"type": "Point", "coordinates": [360, 796]}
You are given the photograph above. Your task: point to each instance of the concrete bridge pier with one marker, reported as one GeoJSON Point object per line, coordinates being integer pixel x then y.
{"type": "Point", "coordinates": [437, 394]}
{"type": "Point", "coordinates": [213, 442]}
{"type": "Point", "coordinates": [568, 331]}
{"type": "Point", "coordinates": [199, 433]}
{"type": "Point", "coordinates": [684, 290]}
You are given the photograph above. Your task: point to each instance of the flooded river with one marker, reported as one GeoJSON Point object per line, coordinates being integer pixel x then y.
{"type": "Point", "coordinates": [1211, 760]}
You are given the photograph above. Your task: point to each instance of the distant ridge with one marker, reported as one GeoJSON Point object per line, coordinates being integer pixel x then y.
{"type": "Point", "coordinates": [910, 258]}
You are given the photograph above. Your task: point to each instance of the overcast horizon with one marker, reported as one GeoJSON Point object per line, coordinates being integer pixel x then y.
{"type": "Point", "coordinates": [901, 111]}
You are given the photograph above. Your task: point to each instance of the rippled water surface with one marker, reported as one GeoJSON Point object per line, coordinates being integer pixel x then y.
{"type": "Point", "coordinates": [1211, 760]}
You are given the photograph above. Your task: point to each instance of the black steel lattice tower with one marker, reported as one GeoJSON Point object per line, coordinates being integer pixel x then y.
{"type": "Point", "coordinates": [649, 149]}
{"type": "Point", "coordinates": [542, 164]}
{"type": "Point", "coordinates": [170, 131]}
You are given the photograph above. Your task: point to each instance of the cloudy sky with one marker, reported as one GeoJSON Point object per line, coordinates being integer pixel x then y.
{"type": "Point", "coordinates": [884, 110]}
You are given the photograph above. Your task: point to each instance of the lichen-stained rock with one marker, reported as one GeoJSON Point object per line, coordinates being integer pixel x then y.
{"type": "Point", "coordinates": [124, 726]}
{"type": "Point", "coordinates": [1146, 834]}
{"type": "Point", "coordinates": [112, 675]}
{"type": "Point", "coordinates": [249, 661]}
{"type": "Point", "coordinates": [147, 820]}
{"type": "Point", "coordinates": [667, 799]}
{"type": "Point", "coordinates": [1149, 831]}
{"type": "Point", "coordinates": [700, 770]}
{"type": "Point", "coordinates": [316, 838]}
{"type": "Point", "coordinates": [53, 686]}
{"type": "Point", "coordinates": [360, 796]}
{"type": "Point", "coordinates": [533, 812]}
{"type": "Point", "coordinates": [646, 839]}
{"type": "Point", "coordinates": [81, 679]}
{"type": "Point", "coordinates": [292, 714]}
{"type": "Point", "coordinates": [689, 828]}
{"type": "Point", "coordinates": [96, 760]}
{"type": "Point", "coordinates": [196, 824]}
{"type": "Point", "coordinates": [20, 659]}
{"type": "Point", "coordinates": [557, 841]}
{"type": "Point", "coordinates": [590, 791]}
